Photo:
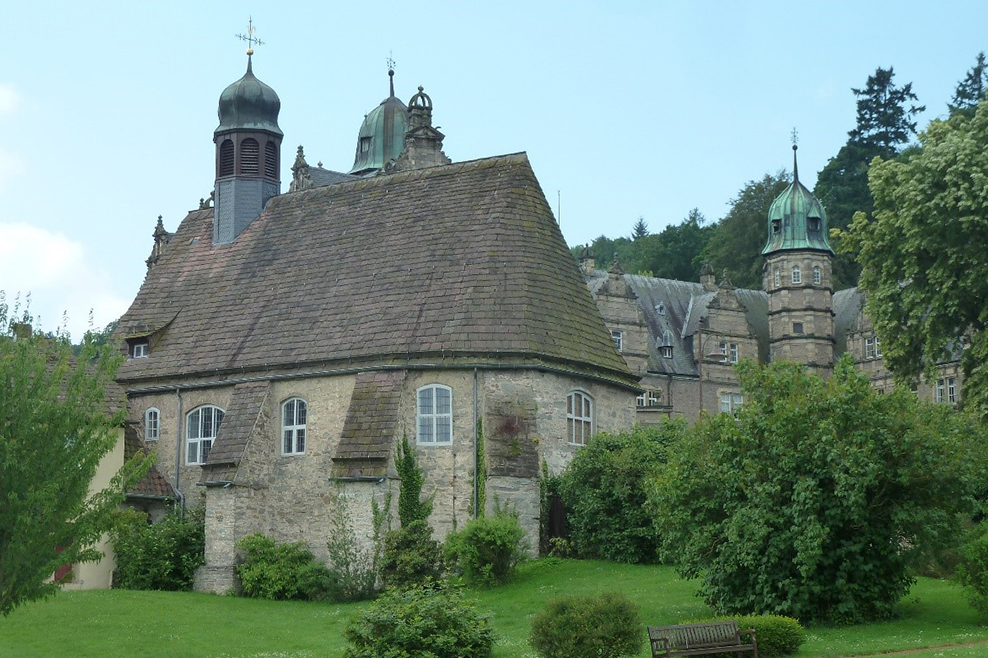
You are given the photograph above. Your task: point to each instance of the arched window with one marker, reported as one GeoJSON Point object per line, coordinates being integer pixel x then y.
{"type": "Point", "coordinates": [579, 417]}
{"type": "Point", "coordinates": [271, 160]}
{"type": "Point", "coordinates": [817, 275]}
{"type": "Point", "coordinates": [777, 279]}
{"type": "Point", "coordinates": [250, 157]}
{"type": "Point", "coordinates": [201, 427]}
{"type": "Point", "coordinates": [226, 158]}
{"type": "Point", "coordinates": [797, 276]}
{"type": "Point", "coordinates": [152, 425]}
{"type": "Point", "coordinates": [293, 427]}
{"type": "Point", "coordinates": [435, 415]}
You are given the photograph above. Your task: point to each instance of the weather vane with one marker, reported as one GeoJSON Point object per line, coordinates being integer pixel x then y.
{"type": "Point", "coordinates": [391, 61]}
{"type": "Point", "coordinates": [795, 138]}
{"type": "Point", "coordinates": [249, 37]}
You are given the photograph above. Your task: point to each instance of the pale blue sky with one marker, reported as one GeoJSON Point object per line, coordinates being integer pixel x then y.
{"type": "Point", "coordinates": [626, 109]}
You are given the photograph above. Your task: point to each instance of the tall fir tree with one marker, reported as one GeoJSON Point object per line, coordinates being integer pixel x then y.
{"type": "Point", "coordinates": [640, 229]}
{"type": "Point", "coordinates": [971, 90]}
{"type": "Point", "coordinates": [884, 120]}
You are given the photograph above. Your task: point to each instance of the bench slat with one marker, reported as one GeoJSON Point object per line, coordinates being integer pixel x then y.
{"type": "Point", "coordinates": [698, 639]}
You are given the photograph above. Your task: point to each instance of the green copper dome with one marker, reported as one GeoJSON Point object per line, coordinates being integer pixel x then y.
{"type": "Point", "coordinates": [249, 104]}
{"type": "Point", "coordinates": [382, 134]}
{"type": "Point", "coordinates": [796, 219]}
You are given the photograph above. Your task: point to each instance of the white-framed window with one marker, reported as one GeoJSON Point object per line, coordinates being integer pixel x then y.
{"type": "Point", "coordinates": [579, 417]}
{"type": "Point", "coordinates": [665, 344]}
{"type": "Point", "coordinates": [648, 399]}
{"type": "Point", "coordinates": [152, 424]}
{"type": "Point", "coordinates": [777, 278]}
{"type": "Point", "coordinates": [817, 275]}
{"type": "Point", "coordinates": [667, 351]}
{"type": "Point", "coordinates": [730, 402]}
{"type": "Point", "coordinates": [293, 414]}
{"type": "Point", "coordinates": [618, 338]}
{"type": "Point", "coordinates": [952, 390]}
{"type": "Point", "coordinates": [938, 392]}
{"type": "Point", "coordinates": [733, 352]}
{"type": "Point", "coordinates": [797, 275]}
{"type": "Point", "coordinates": [435, 415]}
{"type": "Point", "coordinates": [201, 427]}
{"type": "Point", "coordinates": [873, 348]}
{"type": "Point", "coordinates": [139, 349]}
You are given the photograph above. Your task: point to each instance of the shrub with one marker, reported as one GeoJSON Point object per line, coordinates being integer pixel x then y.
{"type": "Point", "coordinates": [814, 499]}
{"type": "Point", "coordinates": [431, 620]}
{"type": "Point", "coordinates": [411, 556]}
{"type": "Point", "coordinates": [776, 635]}
{"type": "Point", "coordinates": [487, 549]}
{"type": "Point", "coordinates": [354, 569]}
{"type": "Point", "coordinates": [411, 507]}
{"type": "Point", "coordinates": [282, 571]}
{"type": "Point", "coordinates": [604, 625]}
{"type": "Point", "coordinates": [159, 556]}
{"type": "Point", "coordinates": [972, 572]}
{"type": "Point", "coordinates": [603, 490]}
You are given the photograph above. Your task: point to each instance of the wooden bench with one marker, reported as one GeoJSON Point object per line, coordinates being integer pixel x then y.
{"type": "Point", "coordinates": [700, 639]}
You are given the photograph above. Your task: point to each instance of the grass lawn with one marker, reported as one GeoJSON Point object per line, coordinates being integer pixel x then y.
{"type": "Point", "coordinates": [122, 623]}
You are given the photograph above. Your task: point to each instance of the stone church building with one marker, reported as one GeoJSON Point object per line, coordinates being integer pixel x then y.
{"type": "Point", "coordinates": [682, 339]}
{"type": "Point", "coordinates": [283, 343]}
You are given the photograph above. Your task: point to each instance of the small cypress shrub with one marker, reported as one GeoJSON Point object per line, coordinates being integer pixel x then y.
{"type": "Point", "coordinates": [487, 549]}
{"type": "Point", "coordinates": [430, 620]}
{"type": "Point", "coordinates": [411, 556]}
{"type": "Point", "coordinates": [605, 625]}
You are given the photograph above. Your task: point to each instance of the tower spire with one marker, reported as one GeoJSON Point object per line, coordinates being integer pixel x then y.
{"type": "Point", "coordinates": [795, 166]}
{"type": "Point", "coordinates": [391, 74]}
{"type": "Point", "coordinates": [250, 39]}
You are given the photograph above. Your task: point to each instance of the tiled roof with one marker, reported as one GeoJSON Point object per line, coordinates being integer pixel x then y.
{"type": "Point", "coordinates": [154, 484]}
{"type": "Point", "coordinates": [321, 177]}
{"type": "Point", "coordinates": [369, 428]}
{"type": "Point", "coordinates": [449, 263]}
{"type": "Point", "coordinates": [241, 416]}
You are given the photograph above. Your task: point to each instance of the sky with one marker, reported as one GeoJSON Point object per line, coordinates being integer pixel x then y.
{"type": "Point", "coordinates": [626, 109]}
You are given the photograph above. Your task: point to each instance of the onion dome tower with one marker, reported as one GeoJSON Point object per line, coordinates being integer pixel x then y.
{"type": "Point", "coordinates": [382, 134]}
{"type": "Point", "coordinates": [248, 154]}
{"type": "Point", "coordinates": [798, 278]}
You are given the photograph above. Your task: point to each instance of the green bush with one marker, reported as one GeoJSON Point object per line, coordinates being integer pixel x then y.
{"type": "Point", "coordinates": [972, 572]}
{"type": "Point", "coordinates": [814, 500]}
{"type": "Point", "coordinates": [159, 556]}
{"type": "Point", "coordinates": [776, 635]}
{"type": "Point", "coordinates": [487, 549]}
{"type": "Point", "coordinates": [606, 625]}
{"type": "Point", "coordinates": [354, 568]}
{"type": "Point", "coordinates": [411, 556]}
{"type": "Point", "coordinates": [603, 490]}
{"type": "Point", "coordinates": [283, 571]}
{"type": "Point", "coordinates": [431, 620]}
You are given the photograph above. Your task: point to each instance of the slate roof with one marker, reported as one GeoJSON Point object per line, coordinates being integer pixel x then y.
{"type": "Point", "coordinates": [370, 425]}
{"type": "Point", "coordinates": [321, 177]}
{"type": "Point", "coordinates": [685, 303]}
{"type": "Point", "coordinates": [454, 263]}
{"type": "Point", "coordinates": [242, 414]}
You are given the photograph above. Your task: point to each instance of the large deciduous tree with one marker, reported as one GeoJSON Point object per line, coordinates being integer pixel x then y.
{"type": "Point", "coordinates": [813, 499]}
{"type": "Point", "coordinates": [738, 239]}
{"type": "Point", "coordinates": [925, 253]}
{"type": "Point", "coordinates": [55, 427]}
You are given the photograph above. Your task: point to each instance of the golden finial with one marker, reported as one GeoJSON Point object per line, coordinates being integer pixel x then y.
{"type": "Point", "coordinates": [249, 37]}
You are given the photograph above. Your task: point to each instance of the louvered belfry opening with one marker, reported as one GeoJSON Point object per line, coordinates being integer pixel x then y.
{"type": "Point", "coordinates": [271, 160]}
{"type": "Point", "coordinates": [226, 158]}
{"type": "Point", "coordinates": [250, 157]}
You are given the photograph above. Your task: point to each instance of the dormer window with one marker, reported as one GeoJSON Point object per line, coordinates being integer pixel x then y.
{"type": "Point", "coordinates": [365, 144]}
{"type": "Point", "coordinates": [665, 344]}
{"type": "Point", "coordinates": [776, 226]}
{"type": "Point", "coordinates": [660, 308]}
{"type": "Point", "coordinates": [813, 223]}
{"type": "Point", "coordinates": [138, 349]}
